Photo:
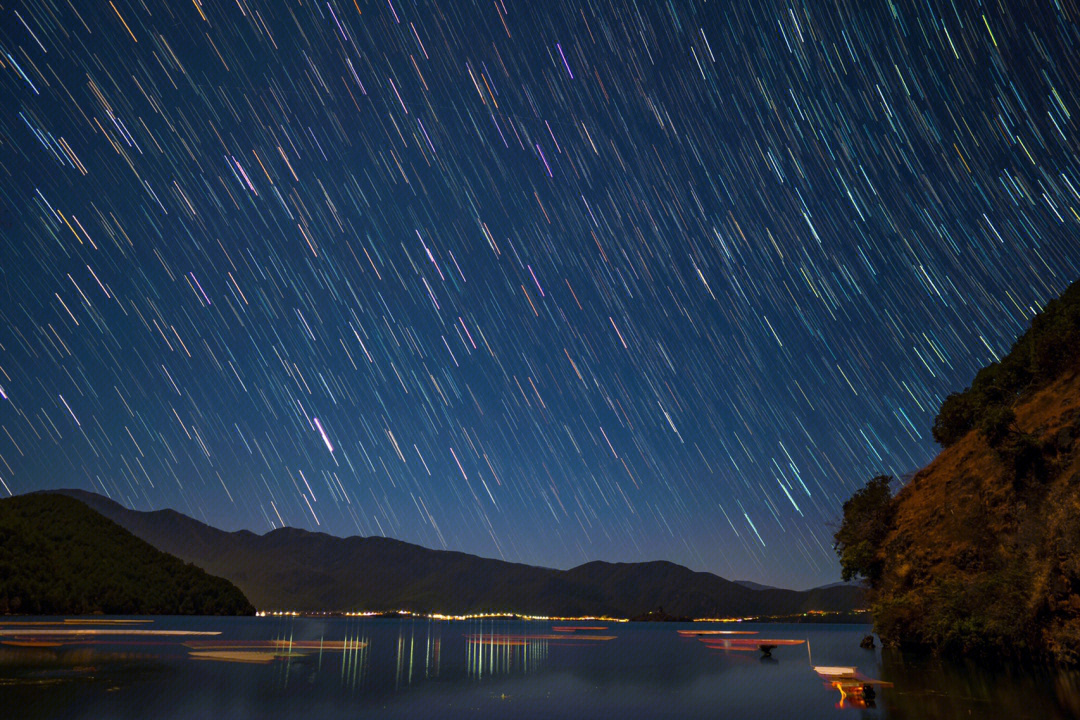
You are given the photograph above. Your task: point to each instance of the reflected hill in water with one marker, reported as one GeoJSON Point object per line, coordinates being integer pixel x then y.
{"type": "Point", "coordinates": [296, 570]}
{"type": "Point", "coordinates": [934, 688]}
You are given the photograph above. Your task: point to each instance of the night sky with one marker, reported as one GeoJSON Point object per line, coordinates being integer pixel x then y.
{"type": "Point", "coordinates": [546, 281]}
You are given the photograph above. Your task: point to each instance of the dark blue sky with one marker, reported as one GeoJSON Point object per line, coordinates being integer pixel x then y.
{"type": "Point", "coordinates": [549, 282]}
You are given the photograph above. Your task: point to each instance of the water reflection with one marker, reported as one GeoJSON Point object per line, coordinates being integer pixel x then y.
{"type": "Point", "coordinates": [350, 667]}
{"type": "Point", "coordinates": [501, 648]}
{"type": "Point", "coordinates": [416, 648]}
{"type": "Point", "coordinates": [937, 689]}
{"type": "Point", "coordinates": [354, 660]}
{"type": "Point", "coordinates": [434, 648]}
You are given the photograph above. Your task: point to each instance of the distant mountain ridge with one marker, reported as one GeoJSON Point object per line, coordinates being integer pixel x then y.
{"type": "Point", "coordinates": [754, 585]}
{"type": "Point", "coordinates": [292, 569]}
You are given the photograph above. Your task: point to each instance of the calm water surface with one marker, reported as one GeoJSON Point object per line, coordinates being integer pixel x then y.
{"type": "Point", "coordinates": [375, 668]}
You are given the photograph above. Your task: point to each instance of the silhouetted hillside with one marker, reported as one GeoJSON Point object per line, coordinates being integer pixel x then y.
{"type": "Point", "coordinates": [290, 569]}
{"type": "Point", "coordinates": [980, 552]}
{"type": "Point", "coordinates": [753, 585]}
{"type": "Point", "coordinates": [1048, 348]}
{"type": "Point", "coordinates": [58, 556]}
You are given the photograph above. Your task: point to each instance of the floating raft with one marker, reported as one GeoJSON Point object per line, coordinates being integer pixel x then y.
{"type": "Point", "coordinates": [275, 645]}
{"type": "Point", "coordinates": [485, 639]}
{"type": "Point", "coordinates": [252, 657]}
{"type": "Point", "coordinates": [83, 632]}
{"type": "Point", "coordinates": [766, 646]}
{"type": "Point", "coordinates": [854, 687]}
{"type": "Point", "coordinates": [72, 621]}
{"type": "Point", "coordinates": [578, 628]}
{"type": "Point", "coordinates": [75, 632]}
{"type": "Point", "coordinates": [847, 675]}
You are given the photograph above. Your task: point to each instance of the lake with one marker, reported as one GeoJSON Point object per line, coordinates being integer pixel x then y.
{"type": "Point", "coordinates": [285, 667]}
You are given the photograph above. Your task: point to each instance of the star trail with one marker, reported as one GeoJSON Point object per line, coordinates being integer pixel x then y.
{"type": "Point", "coordinates": [547, 281]}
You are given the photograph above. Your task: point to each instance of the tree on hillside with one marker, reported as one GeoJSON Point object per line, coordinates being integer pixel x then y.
{"type": "Point", "coordinates": [868, 517]}
{"type": "Point", "coordinates": [998, 425]}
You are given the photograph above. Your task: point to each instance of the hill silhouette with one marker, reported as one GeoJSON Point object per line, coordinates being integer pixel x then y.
{"type": "Point", "coordinates": [291, 569]}
{"type": "Point", "coordinates": [58, 556]}
{"type": "Point", "coordinates": [980, 552]}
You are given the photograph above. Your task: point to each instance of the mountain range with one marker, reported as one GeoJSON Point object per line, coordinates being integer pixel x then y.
{"type": "Point", "coordinates": [289, 569]}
